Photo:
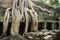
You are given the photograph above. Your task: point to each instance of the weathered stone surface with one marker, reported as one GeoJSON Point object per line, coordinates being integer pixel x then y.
{"type": "Point", "coordinates": [15, 37]}
{"type": "Point", "coordinates": [34, 35]}
{"type": "Point", "coordinates": [5, 3]}
{"type": "Point", "coordinates": [48, 37]}
{"type": "Point", "coordinates": [44, 30]}
{"type": "Point", "coordinates": [46, 33]}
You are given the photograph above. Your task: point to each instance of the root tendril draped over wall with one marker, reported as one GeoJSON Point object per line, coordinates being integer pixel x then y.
{"type": "Point", "coordinates": [22, 9]}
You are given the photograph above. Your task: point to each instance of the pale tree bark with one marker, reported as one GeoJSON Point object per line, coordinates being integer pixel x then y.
{"type": "Point", "coordinates": [19, 9]}
{"type": "Point", "coordinates": [5, 22]}
{"type": "Point", "coordinates": [6, 3]}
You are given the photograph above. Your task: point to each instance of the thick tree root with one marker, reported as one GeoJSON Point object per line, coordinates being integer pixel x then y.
{"type": "Point", "coordinates": [3, 35]}
{"type": "Point", "coordinates": [14, 37]}
{"type": "Point", "coordinates": [20, 9]}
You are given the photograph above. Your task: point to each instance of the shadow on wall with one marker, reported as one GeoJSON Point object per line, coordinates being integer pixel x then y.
{"type": "Point", "coordinates": [21, 29]}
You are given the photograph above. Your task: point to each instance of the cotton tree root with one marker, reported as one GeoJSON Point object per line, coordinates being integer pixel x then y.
{"type": "Point", "coordinates": [5, 23]}
{"type": "Point", "coordinates": [22, 8]}
{"type": "Point", "coordinates": [3, 35]}
{"type": "Point", "coordinates": [27, 22]}
{"type": "Point", "coordinates": [14, 37]}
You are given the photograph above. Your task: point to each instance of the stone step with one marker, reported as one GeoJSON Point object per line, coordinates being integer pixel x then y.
{"type": "Point", "coordinates": [43, 35]}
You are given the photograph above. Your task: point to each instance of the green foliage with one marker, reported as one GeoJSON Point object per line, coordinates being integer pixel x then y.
{"type": "Point", "coordinates": [51, 2]}
{"type": "Point", "coordinates": [2, 12]}
{"type": "Point", "coordinates": [1, 18]}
